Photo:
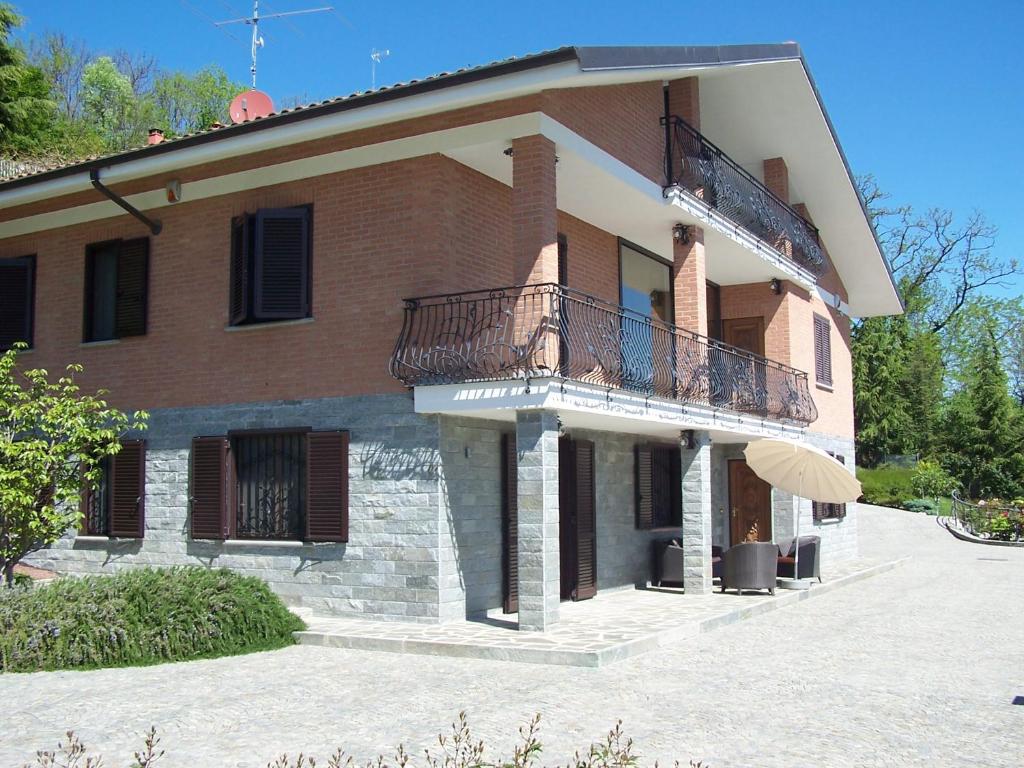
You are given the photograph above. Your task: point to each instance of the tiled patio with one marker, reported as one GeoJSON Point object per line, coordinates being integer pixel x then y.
{"type": "Point", "coordinates": [612, 626]}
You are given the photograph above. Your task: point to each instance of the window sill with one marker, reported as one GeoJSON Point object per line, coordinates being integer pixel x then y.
{"type": "Point", "coordinates": [270, 324]}
{"type": "Point", "coordinates": [102, 343]}
{"type": "Point", "coordinates": [830, 521]}
{"type": "Point", "coordinates": [94, 539]}
{"type": "Point", "coordinates": [677, 529]}
{"type": "Point", "coordinates": [276, 543]}
{"type": "Point", "coordinates": [825, 387]}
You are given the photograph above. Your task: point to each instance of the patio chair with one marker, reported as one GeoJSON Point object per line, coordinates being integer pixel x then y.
{"type": "Point", "coordinates": [669, 560]}
{"type": "Point", "coordinates": [810, 560]}
{"type": "Point", "coordinates": [750, 565]}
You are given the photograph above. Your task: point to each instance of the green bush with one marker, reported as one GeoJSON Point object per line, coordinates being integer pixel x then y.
{"type": "Point", "coordinates": [927, 506]}
{"type": "Point", "coordinates": [140, 617]}
{"type": "Point", "coordinates": [886, 485]}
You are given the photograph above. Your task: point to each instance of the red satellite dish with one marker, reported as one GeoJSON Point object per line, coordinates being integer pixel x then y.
{"type": "Point", "coordinates": [249, 106]}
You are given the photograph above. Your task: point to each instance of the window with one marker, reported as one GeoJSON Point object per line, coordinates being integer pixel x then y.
{"type": "Point", "coordinates": [822, 351]}
{"type": "Point", "coordinates": [287, 484]}
{"type": "Point", "coordinates": [17, 299]}
{"type": "Point", "coordinates": [826, 511]}
{"type": "Point", "coordinates": [659, 501]}
{"type": "Point", "coordinates": [270, 265]}
{"type": "Point", "coordinates": [116, 283]}
{"type": "Point", "coordinates": [116, 507]}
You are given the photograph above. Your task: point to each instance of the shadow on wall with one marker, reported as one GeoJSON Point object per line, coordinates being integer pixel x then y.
{"type": "Point", "coordinates": [383, 461]}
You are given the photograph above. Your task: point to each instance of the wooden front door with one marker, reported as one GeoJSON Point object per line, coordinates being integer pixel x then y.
{"type": "Point", "coordinates": [746, 333]}
{"type": "Point", "coordinates": [744, 380]}
{"type": "Point", "coordinates": [750, 505]}
{"type": "Point", "coordinates": [577, 519]}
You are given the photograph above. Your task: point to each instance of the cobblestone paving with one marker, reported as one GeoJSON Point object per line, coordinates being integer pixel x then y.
{"type": "Point", "coordinates": [917, 666]}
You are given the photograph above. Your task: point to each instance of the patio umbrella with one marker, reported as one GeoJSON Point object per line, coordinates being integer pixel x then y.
{"type": "Point", "coordinates": [803, 470]}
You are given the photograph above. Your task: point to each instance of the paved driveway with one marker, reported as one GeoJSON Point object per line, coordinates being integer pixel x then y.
{"type": "Point", "coordinates": [917, 666]}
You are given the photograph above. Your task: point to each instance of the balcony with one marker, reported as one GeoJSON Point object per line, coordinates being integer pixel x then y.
{"type": "Point", "coordinates": [696, 165]}
{"type": "Point", "coordinates": [548, 331]}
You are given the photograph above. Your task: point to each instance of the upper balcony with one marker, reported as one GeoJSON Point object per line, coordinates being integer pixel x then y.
{"type": "Point", "coordinates": [697, 166]}
{"type": "Point", "coordinates": [548, 331]}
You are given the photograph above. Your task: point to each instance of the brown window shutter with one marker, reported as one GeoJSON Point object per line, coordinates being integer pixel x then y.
{"type": "Point", "coordinates": [281, 264]}
{"type": "Point", "coordinates": [17, 296]}
{"type": "Point", "coordinates": [822, 350]}
{"type": "Point", "coordinates": [327, 486]}
{"type": "Point", "coordinates": [510, 523]}
{"type": "Point", "coordinates": [132, 280]}
{"type": "Point", "coordinates": [239, 309]}
{"type": "Point", "coordinates": [644, 488]}
{"type": "Point", "coordinates": [84, 502]}
{"type": "Point", "coordinates": [563, 260]}
{"type": "Point", "coordinates": [210, 492]}
{"type": "Point", "coordinates": [586, 522]}
{"type": "Point", "coordinates": [128, 490]}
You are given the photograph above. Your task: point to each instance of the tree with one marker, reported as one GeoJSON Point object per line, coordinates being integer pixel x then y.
{"type": "Point", "coordinates": [53, 438]}
{"type": "Point", "coordinates": [185, 103]}
{"type": "Point", "coordinates": [25, 108]}
{"type": "Point", "coordinates": [109, 103]}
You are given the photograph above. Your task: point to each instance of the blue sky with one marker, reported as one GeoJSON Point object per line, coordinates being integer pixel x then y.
{"type": "Point", "coordinates": [927, 96]}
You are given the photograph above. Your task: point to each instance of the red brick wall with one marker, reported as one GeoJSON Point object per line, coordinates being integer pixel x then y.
{"type": "Point", "coordinates": [593, 262]}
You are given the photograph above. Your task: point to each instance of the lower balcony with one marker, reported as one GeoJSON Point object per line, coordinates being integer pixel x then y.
{"type": "Point", "coordinates": [550, 332]}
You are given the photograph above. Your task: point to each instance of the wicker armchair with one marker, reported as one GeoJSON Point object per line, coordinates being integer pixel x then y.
{"type": "Point", "coordinates": [810, 559]}
{"type": "Point", "coordinates": [750, 565]}
{"type": "Point", "coordinates": [669, 561]}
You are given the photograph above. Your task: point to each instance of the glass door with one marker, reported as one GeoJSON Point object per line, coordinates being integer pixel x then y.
{"type": "Point", "coordinates": [646, 290]}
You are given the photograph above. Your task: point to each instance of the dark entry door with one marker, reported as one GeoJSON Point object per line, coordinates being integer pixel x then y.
{"type": "Point", "coordinates": [746, 379]}
{"type": "Point", "coordinates": [750, 505]}
{"type": "Point", "coordinates": [577, 524]}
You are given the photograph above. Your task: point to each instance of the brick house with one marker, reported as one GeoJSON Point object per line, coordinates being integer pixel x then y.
{"type": "Point", "coordinates": [467, 342]}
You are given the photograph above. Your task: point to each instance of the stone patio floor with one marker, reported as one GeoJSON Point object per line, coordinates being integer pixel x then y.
{"type": "Point", "coordinates": [610, 627]}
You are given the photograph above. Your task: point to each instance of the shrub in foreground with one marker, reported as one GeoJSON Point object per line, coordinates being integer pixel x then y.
{"type": "Point", "coordinates": [145, 616]}
{"type": "Point", "coordinates": [455, 750]}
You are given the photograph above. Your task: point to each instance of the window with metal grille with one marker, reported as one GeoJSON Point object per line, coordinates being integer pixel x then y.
{"type": "Point", "coordinates": [826, 511]}
{"type": "Point", "coordinates": [822, 351]}
{"type": "Point", "coordinates": [658, 486]}
{"type": "Point", "coordinates": [270, 469]}
{"type": "Point", "coordinates": [270, 265]}
{"type": "Point", "coordinates": [116, 505]}
{"type": "Point", "coordinates": [116, 278]}
{"type": "Point", "coordinates": [17, 297]}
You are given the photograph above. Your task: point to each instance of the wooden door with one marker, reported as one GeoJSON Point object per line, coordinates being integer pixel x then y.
{"type": "Point", "coordinates": [746, 333]}
{"type": "Point", "coordinates": [577, 524]}
{"type": "Point", "coordinates": [745, 380]}
{"type": "Point", "coordinates": [750, 505]}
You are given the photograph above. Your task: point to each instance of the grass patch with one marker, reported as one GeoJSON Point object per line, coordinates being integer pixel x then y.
{"type": "Point", "coordinates": [140, 617]}
{"type": "Point", "coordinates": [886, 485]}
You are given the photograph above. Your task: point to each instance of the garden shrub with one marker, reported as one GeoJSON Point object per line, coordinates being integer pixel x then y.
{"type": "Point", "coordinates": [928, 506]}
{"type": "Point", "coordinates": [136, 617]}
{"type": "Point", "coordinates": [886, 485]}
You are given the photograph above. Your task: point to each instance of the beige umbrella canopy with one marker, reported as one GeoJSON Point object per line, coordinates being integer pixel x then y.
{"type": "Point", "coordinates": [802, 470]}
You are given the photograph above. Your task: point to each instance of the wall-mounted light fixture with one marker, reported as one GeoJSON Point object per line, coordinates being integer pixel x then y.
{"type": "Point", "coordinates": [775, 286]}
{"type": "Point", "coordinates": [508, 152]}
{"type": "Point", "coordinates": [173, 189]}
{"type": "Point", "coordinates": [688, 439]}
{"type": "Point", "coordinates": [681, 233]}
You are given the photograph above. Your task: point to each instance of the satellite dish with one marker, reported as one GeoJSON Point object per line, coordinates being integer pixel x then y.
{"type": "Point", "coordinates": [249, 106]}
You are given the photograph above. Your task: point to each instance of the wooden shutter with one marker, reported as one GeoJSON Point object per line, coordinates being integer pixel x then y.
{"type": "Point", "coordinates": [509, 523]}
{"type": "Point", "coordinates": [17, 294]}
{"type": "Point", "coordinates": [210, 493]}
{"type": "Point", "coordinates": [822, 350]}
{"type": "Point", "coordinates": [239, 303]}
{"type": "Point", "coordinates": [327, 486]}
{"type": "Point", "coordinates": [84, 502]}
{"type": "Point", "coordinates": [128, 490]}
{"type": "Point", "coordinates": [563, 260]}
{"type": "Point", "coordinates": [821, 510]}
{"type": "Point", "coordinates": [644, 488]}
{"type": "Point", "coordinates": [132, 280]}
{"type": "Point", "coordinates": [281, 264]}
{"type": "Point", "coordinates": [586, 522]}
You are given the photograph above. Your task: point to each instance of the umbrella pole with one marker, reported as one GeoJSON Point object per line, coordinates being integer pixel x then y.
{"type": "Point", "coordinates": [796, 541]}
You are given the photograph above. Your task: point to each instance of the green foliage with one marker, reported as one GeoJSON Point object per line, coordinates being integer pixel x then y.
{"type": "Point", "coordinates": [25, 106]}
{"type": "Point", "coordinates": [886, 485]}
{"type": "Point", "coordinates": [52, 438]}
{"type": "Point", "coordinates": [185, 103]}
{"type": "Point", "coordinates": [137, 617]}
{"type": "Point", "coordinates": [109, 104]}
{"type": "Point", "coordinates": [927, 506]}
{"type": "Point", "coordinates": [457, 749]}
{"type": "Point", "coordinates": [931, 480]}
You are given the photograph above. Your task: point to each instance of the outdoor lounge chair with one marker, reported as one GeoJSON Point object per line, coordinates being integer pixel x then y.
{"type": "Point", "coordinates": [750, 565]}
{"type": "Point", "coordinates": [810, 560]}
{"type": "Point", "coordinates": [669, 561]}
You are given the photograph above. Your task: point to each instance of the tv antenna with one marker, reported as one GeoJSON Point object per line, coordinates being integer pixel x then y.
{"type": "Point", "coordinates": [376, 57]}
{"type": "Point", "coordinates": [254, 22]}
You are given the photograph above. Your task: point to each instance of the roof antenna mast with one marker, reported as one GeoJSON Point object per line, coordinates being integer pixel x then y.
{"type": "Point", "coordinates": [254, 22]}
{"type": "Point", "coordinates": [376, 57]}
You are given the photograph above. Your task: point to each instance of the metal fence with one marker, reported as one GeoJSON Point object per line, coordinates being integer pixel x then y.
{"type": "Point", "coordinates": [996, 521]}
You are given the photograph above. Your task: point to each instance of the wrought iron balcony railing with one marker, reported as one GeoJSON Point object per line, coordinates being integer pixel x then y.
{"type": "Point", "coordinates": [997, 521]}
{"type": "Point", "coordinates": [697, 165]}
{"type": "Point", "coordinates": [547, 330]}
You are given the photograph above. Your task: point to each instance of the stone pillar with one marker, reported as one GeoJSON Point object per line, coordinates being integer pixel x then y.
{"type": "Point", "coordinates": [537, 487]}
{"type": "Point", "coordinates": [696, 478]}
{"type": "Point", "coordinates": [689, 283]}
{"type": "Point", "coordinates": [534, 210]}
{"type": "Point", "coordinates": [684, 100]}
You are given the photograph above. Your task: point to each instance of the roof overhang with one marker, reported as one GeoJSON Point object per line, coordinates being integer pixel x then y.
{"type": "Point", "coordinates": [739, 84]}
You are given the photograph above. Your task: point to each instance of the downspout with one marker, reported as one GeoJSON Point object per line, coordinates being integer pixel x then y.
{"type": "Point", "coordinates": [154, 225]}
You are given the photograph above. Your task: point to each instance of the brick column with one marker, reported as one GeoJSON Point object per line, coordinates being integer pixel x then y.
{"type": "Point", "coordinates": [696, 478]}
{"type": "Point", "coordinates": [534, 210]}
{"type": "Point", "coordinates": [776, 178]}
{"type": "Point", "coordinates": [537, 487]}
{"type": "Point", "coordinates": [684, 100]}
{"type": "Point", "coordinates": [689, 280]}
